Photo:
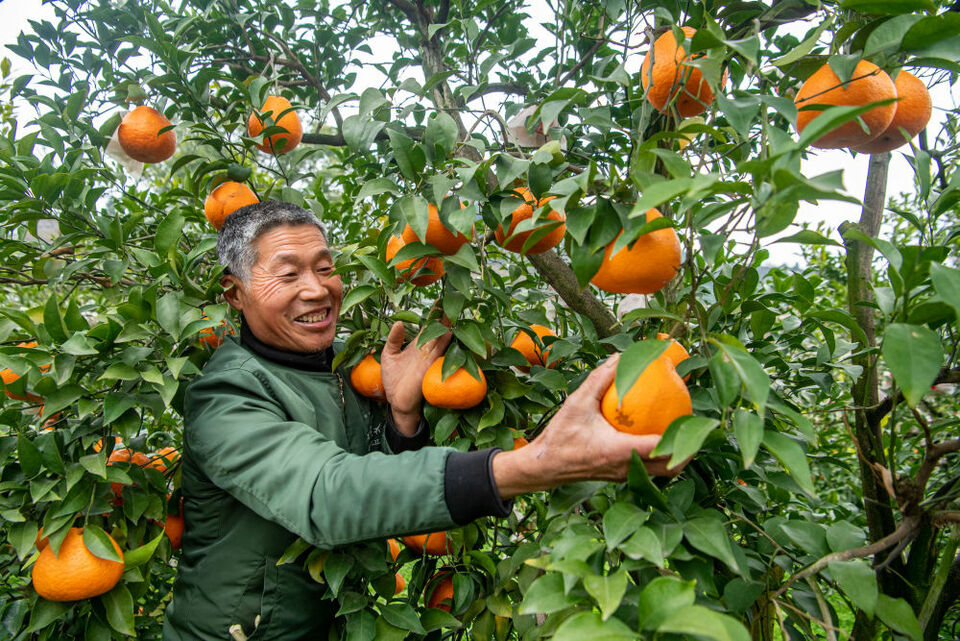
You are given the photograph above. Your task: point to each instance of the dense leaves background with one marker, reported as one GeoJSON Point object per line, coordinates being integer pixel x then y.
{"type": "Point", "coordinates": [823, 499]}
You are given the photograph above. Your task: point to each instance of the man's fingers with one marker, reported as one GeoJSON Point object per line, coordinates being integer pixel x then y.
{"type": "Point", "coordinates": [394, 339]}
{"type": "Point", "coordinates": [438, 345]}
{"type": "Point", "coordinates": [596, 384]}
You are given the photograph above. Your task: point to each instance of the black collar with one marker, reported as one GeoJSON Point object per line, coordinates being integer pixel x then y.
{"type": "Point", "coordinates": [311, 362]}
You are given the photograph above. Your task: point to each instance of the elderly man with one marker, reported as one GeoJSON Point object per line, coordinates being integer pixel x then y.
{"type": "Point", "coordinates": [277, 446]}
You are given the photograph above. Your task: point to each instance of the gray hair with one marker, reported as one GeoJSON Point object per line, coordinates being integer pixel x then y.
{"type": "Point", "coordinates": [236, 249]}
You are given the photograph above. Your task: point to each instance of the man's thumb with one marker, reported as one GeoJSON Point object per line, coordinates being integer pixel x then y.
{"type": "Point", "coordinates": [600, 379]}
{"type": "Point", "coordinates": [394, 339]}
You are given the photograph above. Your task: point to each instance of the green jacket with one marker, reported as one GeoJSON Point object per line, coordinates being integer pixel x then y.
{"type": "Point", "coordinates": [276, 449]}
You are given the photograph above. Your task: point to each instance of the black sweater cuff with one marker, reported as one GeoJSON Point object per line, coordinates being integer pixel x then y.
{"type": "Point", "coordinates": [469, 487]}
{"type": "Point", "coordinates": [401, 442]}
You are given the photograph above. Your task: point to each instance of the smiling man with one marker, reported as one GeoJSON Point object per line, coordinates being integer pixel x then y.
{"type": "Point", "coordinates": [277, 446]}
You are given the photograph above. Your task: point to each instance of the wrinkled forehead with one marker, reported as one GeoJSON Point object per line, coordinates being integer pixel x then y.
{"type": "Point", "coordinates": [290, 244]}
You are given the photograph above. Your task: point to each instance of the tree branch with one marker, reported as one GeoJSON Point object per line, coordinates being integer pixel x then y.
{"type": "Point", "coordinates": [499, 87]}
{"type": "Point", "coordinates": [907, 528]}
{"type": "Point", "coordinates": [564, 282]}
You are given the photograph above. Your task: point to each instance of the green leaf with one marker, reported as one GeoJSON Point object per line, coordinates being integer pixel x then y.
{"type": "Point", "coordinates": [644, 544]}
{"type": "Point", "coordinates": [53, 320]}
{"type": "Point", "coordinates": [293, 552]}
{"type": "Point", "coordinates": [754, 379]}
{"type": "Point", "coordinates": [99, 543]}
{"type": "Point", "coordinates": [661, 597]}
{"type": "Point", "coordinates": [792, 457]}
{"type": "Point", "coordinates": [440, 137]}
{"type": "Point", "coordinates": [139, 556]}
{"type": "Point", "coordinates": [46, 612]}
{"type": "Point", "coordinates": [808, 237]}
{"type": "Point", "coordinates": [887, 37]}
{"type": "Point", "coordinates": [889, 7]}
{"type": "Point", "coordinates": [898, 616]}
{"type": "Point", "coordinates": [643, 488]}
{"type": "Point", "coordinates": [914, 355]}
{"type": "Point", "coordinates": [935, 37]}
{"type": "Point", "coordinates": [748, 428]}
{"type": "Point", "coordinates": [946, 282]}
{"type": "Point", "coordinates": [169, 232]}
{"type": "Point", "coordinates": [403, 616]}
{"type": "Point", "coordinates": [376, 187]}
{"type": "Point", "coordinates": [119, 606]}
{"type": "Point", "coordinates": [708, 535]}
{"type": "Point", "coordinates": [858, 581]}
{"type": "Point", "coordinates": [357, 295]}
{"type": "Point", "coordinates": [589, 625]}
{"type": "Point", "coordinates": [633, 361]}
{"type": "Point", "coordinates": [78, 345]}
{"type": "Point", "coordinates": [546, 595]}
{"type": "Point", "coordinates": [620, 521]}
{"type": "Point", "coordinates": [361, 626]}
{"type": "Point", "coordinates": [607, 591]}
{"type": "Point", "coordinates": [335, 570]}
{"type": "Point", "coordinates": [683, 438]}
{"type": "Point", "coordinates": [804, 47]}
{"type": "Point", "coordinates": [704, 623]}
{"type": "Point", "coordinates": [29, 455]}
{"type": "Point", "coordinates": [168, 313]}
{"type": "Point", "coordinates": [62, 397]}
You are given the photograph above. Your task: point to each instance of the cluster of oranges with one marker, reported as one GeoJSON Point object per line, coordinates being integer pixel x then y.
{"type": "Point", "coordinates": [439, 592]}
{"type": "Point", "coordinates": [147, 135]}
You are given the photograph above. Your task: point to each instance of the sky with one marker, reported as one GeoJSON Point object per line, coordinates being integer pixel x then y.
{"type": "Point", "coordinates": [14, 15]}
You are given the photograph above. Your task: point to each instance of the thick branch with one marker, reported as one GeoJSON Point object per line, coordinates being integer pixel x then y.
{"type": "Point", "coordinates": [500, 87]}
{"type": "Point", "coordinates": [564, 282]}
{"type": "Point", "coordinates": [906, 529]}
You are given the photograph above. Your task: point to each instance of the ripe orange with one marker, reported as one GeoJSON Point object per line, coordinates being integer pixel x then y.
{"type": "Point", "coordinates": [75, 573]}
{"type": "Point", "coordinates": [394, 548]}
{"type": "Point", "coordinates": [164, 458]}
{"type": "Point", "coordinates": [420, 271]}
{"type": "Point", "coordinates": [139, 135]}
{"type": "Point", "coordinates": [646, 267]}
{"type": "Point", "coordinates": [869, 84]}
{"type": "Point", "coordinates": [520, 441]}
{"type": "Point", "coordinates": [99, 444]}
{"type": "Point", "coordinates": [459, 391]}
{"type": "Point", "coordinates": [446, 241]}
{"type": "Point", "coordinates": [914, 108]}
{"type": "Point", "coordinates": [9, 377]}
{"type": "Point", "coordinates": [530, 350]}
{"type": "Point", "coordinates": [515, 241]}
{"type": "Point", "coordinates": [441, 594]}
{"type": "Point", "coordinates": [227, 198]}
{"type": "Point", "coordinates": [657, 397]}
{"type": "Point", "coordinates": [400, 584]}
{"type": "Point", "coordinates": [210, 338]}
{"type": "Point", "coordinates": [365, 378]}
{"type": "Point", "coordinates": [279, 143]}
{"type": "Point", "coordinates": [432, 544]}
{"type": "Point", "coordinates": [676, 353]}
{"type": "Point", "coordinates": [173, 528]}
{"type": "Point", "coordinates": [671, 75]}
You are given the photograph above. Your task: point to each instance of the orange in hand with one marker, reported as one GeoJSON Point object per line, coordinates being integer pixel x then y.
{"type": "Point", "coordinates": [459, 391]}
{"type": "Point", "coordinates": [365, 378]}
{"type": "Point", "coordinates": [657, 397]}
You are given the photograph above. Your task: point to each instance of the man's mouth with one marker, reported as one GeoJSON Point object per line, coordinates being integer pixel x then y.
{"type": "Point", "coordinates": [313, 317]}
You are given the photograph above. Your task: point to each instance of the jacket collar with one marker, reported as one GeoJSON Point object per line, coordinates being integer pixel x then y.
{"type": "Point", "coordinates": [311, 362]}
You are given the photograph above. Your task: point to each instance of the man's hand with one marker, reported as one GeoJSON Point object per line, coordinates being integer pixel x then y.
{"type": "Point", "coordinates": [402, 371]}
{"type": "Point", "coordinates": [577, 445]}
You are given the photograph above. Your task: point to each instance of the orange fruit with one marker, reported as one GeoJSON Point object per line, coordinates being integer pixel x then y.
{"type": "Point", "coordinates": [75, 573]}
{"type": "Point", "coordinates": [139, 135]}
{"type": "Point", "coordinates": [419, 271]}
{"type": "Point", "coordinates": [644, 268]}
{"type": "Point", "coordinates": [164, 458]}
{"type": "Point", "coordinates": [914, 108]}
{"type": "Point", "coordinates": [676, 353]}
{"type": "Point", "coordinates": [520, 441]}
{"type": "Point", "coordinates": [225, 199]}
{"type": "Point", "coordinates": [400, 584]}
{"type": "Point", "coordinates": [515, 242]}
{"type": "Point", "coordinates": [9, 377]}
{"type": "Point", "coordinates": [459, 391]}
{"type": "Point", "coordinates": [869, 84]}
{"type": "Point", "coordinates": [657, 397]}
{"type": "Point", "coordinates": [173, 528]}
{"type": "Point", "coordinates": [670, 75]}
{"type": "Point", "coordinates": [41, 540]}
{"type": "Point", "coordinates": [365, 378]}
{"type": "Point", "coordinates": [209, 337]}
{"type": "Point", "coordinates": [394, 548]}
{"type": "Point", "coordinates": [279, 143]}
{"type": "Point", "coordinates": [530, 350]}
{"type": "Point", "coordinates": [441, 594]}
{"type": "Point", "coordinates": [432, 544]}
{"type": "Point", "coordinates": [438, 236]}
{"type": "Point", "coordinates": [125, 456]}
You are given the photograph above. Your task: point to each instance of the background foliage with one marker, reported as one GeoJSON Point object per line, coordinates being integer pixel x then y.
{"type": "Point", "coordinates": [823, 500]}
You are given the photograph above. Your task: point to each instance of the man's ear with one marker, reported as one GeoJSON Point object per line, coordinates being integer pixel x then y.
{"type": "Point", "coordinates": [232, 291]}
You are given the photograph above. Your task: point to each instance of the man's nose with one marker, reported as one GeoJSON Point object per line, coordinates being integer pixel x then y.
{"type": "Point", "coordinates": [314, 286]}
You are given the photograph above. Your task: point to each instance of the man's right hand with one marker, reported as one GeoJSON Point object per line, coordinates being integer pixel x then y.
{"type": "Point", "coordinates": [577, 445]}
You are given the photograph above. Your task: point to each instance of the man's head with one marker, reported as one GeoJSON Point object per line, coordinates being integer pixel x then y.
{"type": "Point", "coordinates": [280, 275]}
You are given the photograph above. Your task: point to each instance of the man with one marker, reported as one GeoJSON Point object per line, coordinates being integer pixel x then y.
{"type": "Point", "coordinates": [276, 446]}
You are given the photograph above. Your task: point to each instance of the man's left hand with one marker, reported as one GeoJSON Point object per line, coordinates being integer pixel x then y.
{"type": "Point", "coordinates": [402, 370]}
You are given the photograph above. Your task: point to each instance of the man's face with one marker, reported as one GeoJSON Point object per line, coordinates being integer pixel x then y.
{"type": "Point", "coordinates": [292, 297]}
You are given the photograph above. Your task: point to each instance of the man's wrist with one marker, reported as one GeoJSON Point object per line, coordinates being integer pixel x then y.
{"type": "Point", "coordinates": [514, 474]}
{"type": "Point", "coordinates": [406, 423]}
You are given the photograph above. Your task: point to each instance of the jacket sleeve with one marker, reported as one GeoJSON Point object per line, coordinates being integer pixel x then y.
{"type": "Point", "coordinates": [289, 473]}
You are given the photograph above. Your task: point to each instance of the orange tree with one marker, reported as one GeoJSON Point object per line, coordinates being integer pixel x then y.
{"type": "Point", "coordinates": [822, 499]}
